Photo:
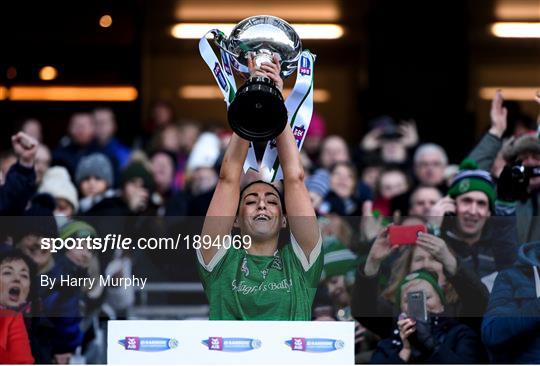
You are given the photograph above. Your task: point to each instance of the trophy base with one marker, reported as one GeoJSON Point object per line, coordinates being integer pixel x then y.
{"type": "Point", "coordinates": [257, 112]}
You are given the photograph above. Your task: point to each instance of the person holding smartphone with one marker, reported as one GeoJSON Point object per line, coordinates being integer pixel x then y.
{"type": "Point", "coordinates": [373, 300]}
{"type": "Point", "coordinates": [261, 281]}
{"type": "Point", "coordinates": [434, 340]}
{"type": "Point", "coordinates": [485, 243]}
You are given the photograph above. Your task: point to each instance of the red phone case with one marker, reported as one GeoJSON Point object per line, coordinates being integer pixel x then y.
{"type": "Point", "coordinates": [405, 235]}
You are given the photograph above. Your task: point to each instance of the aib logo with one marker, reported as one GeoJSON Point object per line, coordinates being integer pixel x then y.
{"type": "Point", "coordinates": [305, 66]}
{"type": "Point", "coordinates": [298, 132]}
{"type": "Point", "coordinates": [298, 344]}
{"type": "Point", "coordinates": [133, 343]}
{"type": "Point", "coordinates": [215, 343]}
{"type": "Point", "coordinates": [220, 77]}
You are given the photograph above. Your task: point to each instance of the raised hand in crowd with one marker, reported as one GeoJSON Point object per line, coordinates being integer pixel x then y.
{"type": "Point", "coordinates": [371, 140]}
{"type": "Point", "coordinates": [25, 147]}
{"type": "Point", "coordinates": [445, 205]}
{"type": "Point", "coordinates": [380, 250]}
{"type": "Point", "coordinates": [439, 250]}
{"type": "Point", "coordinates": [136, 196]}
{"type": "Point", "coordinates": [370, 226]}
{"type": "Point", "coordinates": [498, 115]}
{"type": "Point", "coordinates": [409, 133]}
{"type": "Point", "coordinates": [406, 326]}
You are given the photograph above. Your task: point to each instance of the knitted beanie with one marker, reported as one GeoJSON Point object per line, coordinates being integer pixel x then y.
{"type": "Point", "coordinates": [339, 260]}
{"type": "Point", "coordinates": [137, 169]}
{"type": "Point", "coordinates": [319, 182]}
{"type": "Point", "coordinates": [469, 179]}
{"type": "Point", "coordinates": [77, 229]}
{"type": "Point", "coordinates": [425, 275]}
{"type": "Point", "coordinates": [524, 144]}
{"type": "Point", "coordinates": [95, 165]}
{"type": "Point", "coordinates": [57, 183]}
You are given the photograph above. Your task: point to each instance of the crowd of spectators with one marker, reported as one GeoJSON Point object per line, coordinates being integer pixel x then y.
{"type": "Point", "coordinates": [478, 263]}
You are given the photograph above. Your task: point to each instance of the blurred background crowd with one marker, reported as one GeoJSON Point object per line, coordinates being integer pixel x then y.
{"type": "Point", "coordinates": [405, 145]}
{"type": "Point", "coordinates": [478, 214]}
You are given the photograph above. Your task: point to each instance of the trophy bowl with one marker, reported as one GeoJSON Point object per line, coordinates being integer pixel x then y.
{"type": "Point", "coordinates": [258, 112]}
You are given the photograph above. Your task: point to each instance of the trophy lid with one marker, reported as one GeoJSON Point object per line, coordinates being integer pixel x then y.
{"type": "Point", "coordinates": [265, 32]}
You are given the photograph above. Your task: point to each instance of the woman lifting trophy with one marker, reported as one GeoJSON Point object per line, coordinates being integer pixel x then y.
{"type": "Point", "coordinates": [263, 280]}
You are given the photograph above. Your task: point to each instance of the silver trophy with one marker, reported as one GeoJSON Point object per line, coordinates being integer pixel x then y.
{"type": "Point", "coordinates": [258, 112]}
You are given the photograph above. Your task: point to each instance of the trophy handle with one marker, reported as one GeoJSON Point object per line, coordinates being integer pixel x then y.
{"type": "Point", "coordinates": [219, 37]}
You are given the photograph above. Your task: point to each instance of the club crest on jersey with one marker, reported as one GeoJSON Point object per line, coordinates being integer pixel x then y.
{"type": "Point", "coordinates": [220, 77]}
{"type": "Point", "coordinates": [305, 66]}
{"type": "Point", "coordinates": [244, 268]}
{"type": "Point", "coordinates": [276, 263]}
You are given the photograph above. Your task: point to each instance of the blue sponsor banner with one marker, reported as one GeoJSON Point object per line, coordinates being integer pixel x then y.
{"type": "Point", "coordinates": [316, 345]}
{"type": "Point", "coordinates": [220, 77]}
{"type": "Point", "coordinates": [148, 344]}
{"type": "Point", "coordinates": [226, 63]}
{"type": "Point", "coordinates": [231, 344]}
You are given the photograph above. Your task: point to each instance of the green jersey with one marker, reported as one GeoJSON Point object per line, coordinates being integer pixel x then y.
{"type": "Point", "coordinates": [241, 286]}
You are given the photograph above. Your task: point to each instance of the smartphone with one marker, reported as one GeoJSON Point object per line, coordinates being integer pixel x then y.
{"type": "Point", "coordinates": [416, 305]}
{"type": "Point", "coordinates": [405, 235]}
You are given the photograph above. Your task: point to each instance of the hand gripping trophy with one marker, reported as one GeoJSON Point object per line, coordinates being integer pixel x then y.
{"type": "Point", "coordinates": [257, 110]}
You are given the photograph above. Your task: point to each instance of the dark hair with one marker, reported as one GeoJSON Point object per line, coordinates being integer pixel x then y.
{"type": "Point", "coordinates": [280, 195]}
{"type": "Point", "coordinates": [17, 254]}
{"type": "Point", "coordinates": [345, 164]}
{"type": "Point", "coordinates": [167, 153]}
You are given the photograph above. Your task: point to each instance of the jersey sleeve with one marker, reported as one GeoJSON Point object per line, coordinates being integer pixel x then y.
{"type": "Point", "coordinates": [212, 270]}
{"type": "Point", "coordinates": [311, 266]}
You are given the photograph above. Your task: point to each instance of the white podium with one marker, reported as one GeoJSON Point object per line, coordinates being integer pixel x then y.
{"type": "Point", "coordinates": [230, 342]}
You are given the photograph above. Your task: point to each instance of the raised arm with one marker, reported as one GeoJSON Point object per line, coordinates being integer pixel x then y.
{"type": "Point", "coordinates": [222, 210]}
{"type": "Point", "coordinates": [302, 218]}
{"type": "Point", "coordinates": [485, 152]}
{"type": "Point", "coordinates": [300, 212]}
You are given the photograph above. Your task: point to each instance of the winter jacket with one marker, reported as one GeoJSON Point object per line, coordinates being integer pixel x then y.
{"type": "Point", "coordinates": [332, 203]}
{"type": "Point", "coordinates": [453, 342]}
{"type": "Point", "coordinates": [19, 187]}
{"type": "Point", "coordinates": [68, 155]}
{"type": "Point", "coordinates": [61, 306]}
{"type": "Point", "coordinates": [527, 212]}
{"type": "Point", "coordinates": [118, 150]}
{"type": "Point", "coordinates": [14, 343]}
{"type": "Point", "coordinates": [511, 327]}
{"type": "Point", "coordinates": [377, 313]}
{"type": "Point", "coordinates": [486, 151]}
{"type": "Point", "coordinates": [494, 251]}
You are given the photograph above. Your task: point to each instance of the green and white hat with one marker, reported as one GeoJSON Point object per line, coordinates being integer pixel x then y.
{"type": "Point", "coordinates": [339, 260]}
{"type": "Point", "coordinates": [470, 178]}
